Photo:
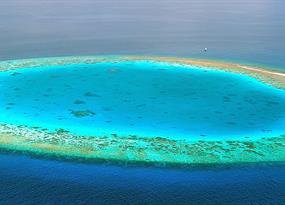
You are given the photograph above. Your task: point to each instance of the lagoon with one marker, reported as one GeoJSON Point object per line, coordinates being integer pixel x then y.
{"type": "Point", "coordinates": [146, 110]}
{"type": "Point", "coordinates": [142, 98]}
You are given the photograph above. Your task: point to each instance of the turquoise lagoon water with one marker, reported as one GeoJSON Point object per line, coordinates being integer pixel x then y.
{"type": "Point", "coordinates": [142, 98]}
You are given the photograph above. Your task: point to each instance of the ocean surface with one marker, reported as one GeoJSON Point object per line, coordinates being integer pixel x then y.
{"type": "Point", "coordinates": [32, 182]}
{"type": "Point", "coordinates": [249, 31]}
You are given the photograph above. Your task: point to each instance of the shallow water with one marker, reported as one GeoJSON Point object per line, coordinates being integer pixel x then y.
{"type": "Point", "coordinates": [142, 98]}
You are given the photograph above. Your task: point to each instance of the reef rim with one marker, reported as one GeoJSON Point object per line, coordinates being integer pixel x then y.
{"type": "Point", "coordinates": [136, 149]}
{"type": "Point", "coordinates": [274, 78]}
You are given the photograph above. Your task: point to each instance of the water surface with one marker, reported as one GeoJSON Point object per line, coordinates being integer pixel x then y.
{"type": "Point", "coordinates": [29, 181]}
{"type": "Point", "coordinates": [236, 30]}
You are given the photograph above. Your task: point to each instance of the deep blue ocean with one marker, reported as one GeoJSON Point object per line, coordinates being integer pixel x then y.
{"type": "Point", "coordinates": [250, 31]}
{"type": "Point", "coordinates": [32, 181]}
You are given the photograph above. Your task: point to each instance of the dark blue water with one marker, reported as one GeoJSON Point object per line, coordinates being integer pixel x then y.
{"type": "Point", "coordinates": [31, 181]}
{"type": "Point", "coordinates": [142, 98]}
